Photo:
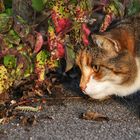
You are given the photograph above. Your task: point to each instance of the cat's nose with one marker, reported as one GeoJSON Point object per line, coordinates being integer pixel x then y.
{"type": "Point", "coordinates": [83, 87]}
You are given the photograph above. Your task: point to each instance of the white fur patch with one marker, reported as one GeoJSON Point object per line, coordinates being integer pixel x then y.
{"type": "Point", "coordinates": [99, 90]}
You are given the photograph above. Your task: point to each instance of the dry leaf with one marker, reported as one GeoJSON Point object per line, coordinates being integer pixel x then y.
{"type": "Point", "coordinates": [28, 121]}
{"type": "Point", "coordinates": [94, 116]}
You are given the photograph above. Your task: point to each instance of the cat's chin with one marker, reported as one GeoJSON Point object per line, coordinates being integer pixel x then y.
{"type": "Point", "coordinates": [99, 90]}
{"type": "Point", "coordinates": [98, 96]}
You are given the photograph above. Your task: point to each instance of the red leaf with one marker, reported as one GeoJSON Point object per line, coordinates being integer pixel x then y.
{"type": "Point", "coordinates": [107, 21]}
{"type": "Point", "coordinates": [85, 40]}
{"type": "Point", "coordinates": [60, 50]}
{"type": "Point", "coordinates": [39, 42]}
{"type": "Point", "coordinates": [85, 29]}
{"type": "Point", "coordinates": [54, 17]}
{"type": "Point", "coordinates": [58, 29]}
{"type": "Point", "coordinates": [63, 23]}
{"type": "Point", "coordinates": [60, 23]}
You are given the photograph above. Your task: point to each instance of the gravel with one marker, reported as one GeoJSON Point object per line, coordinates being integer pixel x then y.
{"type": "Point", "coordinates": [66, 124]}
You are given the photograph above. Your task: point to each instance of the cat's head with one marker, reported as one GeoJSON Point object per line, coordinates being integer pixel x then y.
{"type": "Point", "coordinates": [108, 67]}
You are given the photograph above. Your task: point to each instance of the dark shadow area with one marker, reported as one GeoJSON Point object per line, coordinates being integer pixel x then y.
{"type": "Point", "coordinates": [131, 102]}
{"type": "Point", "coordinates": [71, 82]}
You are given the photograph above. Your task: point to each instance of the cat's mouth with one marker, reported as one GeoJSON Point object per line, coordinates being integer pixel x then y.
{"type": "Point", "coordinates": [93, 95]}
{"type": "Point", "coordinates": [89, 93]}
{"type": "Point", "coordinates": [84, 92]}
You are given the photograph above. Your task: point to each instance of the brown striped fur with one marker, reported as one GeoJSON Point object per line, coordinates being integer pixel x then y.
{"type": "Point", "coordinates": [112, 64]}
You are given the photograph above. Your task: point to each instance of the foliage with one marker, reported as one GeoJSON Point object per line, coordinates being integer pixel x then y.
{"type": "Point", "coordinates": [6, 22]}
{"type": "Point", "coordinates": [38, 5]}
{"type": "Point", "coordinates": [133, 7]}
{"type": "Point", "coordinates": [25, 51]}
{"type": "Point", "coordinates": [5, 81]}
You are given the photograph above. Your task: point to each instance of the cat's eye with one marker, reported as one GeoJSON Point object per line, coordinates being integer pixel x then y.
{"type": "Point", "coordinates": [96, 68]}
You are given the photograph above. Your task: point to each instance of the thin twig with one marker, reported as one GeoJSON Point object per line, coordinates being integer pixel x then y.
{"type": "Point", "coordinates": [65, 98]}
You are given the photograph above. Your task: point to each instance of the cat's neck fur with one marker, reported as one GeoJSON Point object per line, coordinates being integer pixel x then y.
{"type": "Point", "coordinates": [132, 88]}
{"type": "Point", "coordinates": [129, 38]}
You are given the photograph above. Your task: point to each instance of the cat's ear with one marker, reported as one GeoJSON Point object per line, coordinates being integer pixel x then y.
{"type": "Point", "coordinates": [106, 43]}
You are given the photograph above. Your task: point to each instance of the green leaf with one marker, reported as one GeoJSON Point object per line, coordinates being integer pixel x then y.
{"type": "Point", "coordinates": [119, 8]}
{"type": "Point", "coordinates": [6, 43]}
{"type": "Point", "coordinates": [69, 54]}
{"type": "Point", "coordinates": [9, 11]}
{"type": "Point", "coordinates": [38, 5]}
{"type": "Point", "coordinates": [29, 68]}
{"type": "Point", "coordinates": [6, 22]}
{"type": "Point", "coordinates": [134, 7]}
{"type": "Point", "coordinates": [73, 1]}
{"type": "Point", "coordinates": [9, 61]}
{"type": "Point", "coordinates": [12, 37]}
{"type": "Point", "coordinates": [21, 20]}
{"type": "Point", "coordinates": [69, 57]}
{"type": "Point", "coordinates": [45, 1]}
{"type": "Point", "coordinates": [41, 58]}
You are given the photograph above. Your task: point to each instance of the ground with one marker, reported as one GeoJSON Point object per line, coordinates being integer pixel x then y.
{"type": "Point", "coordinates": [61, 120]}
